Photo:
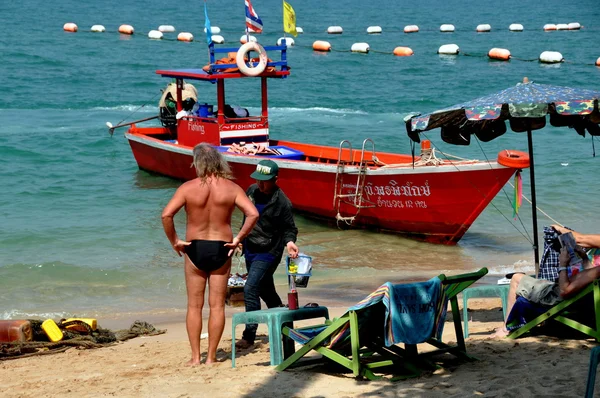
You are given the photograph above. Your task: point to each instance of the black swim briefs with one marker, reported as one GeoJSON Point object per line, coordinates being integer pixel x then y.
{"type": "Point", "coordinates": [207, 255]}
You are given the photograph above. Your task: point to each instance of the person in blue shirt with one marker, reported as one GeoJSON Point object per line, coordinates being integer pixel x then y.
{"type": "Point", "coordinates": [263, 248]}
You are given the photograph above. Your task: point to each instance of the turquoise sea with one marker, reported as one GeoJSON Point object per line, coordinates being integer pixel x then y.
{"type": "Point", "coordinates": [80, 228]}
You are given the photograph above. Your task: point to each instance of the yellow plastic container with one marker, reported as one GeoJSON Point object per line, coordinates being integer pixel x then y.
{"type": "Point", "coordinates": [90, 321]}
{"type": "Point", "coordinates": [52, 330]}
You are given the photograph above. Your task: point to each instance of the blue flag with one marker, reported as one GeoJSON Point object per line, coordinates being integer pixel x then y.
{"type": "Point", "coordinates": [207, 26]}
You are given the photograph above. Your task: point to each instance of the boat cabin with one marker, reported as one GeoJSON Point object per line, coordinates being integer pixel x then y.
{"type": "Point", "coordinates": [224, 128]}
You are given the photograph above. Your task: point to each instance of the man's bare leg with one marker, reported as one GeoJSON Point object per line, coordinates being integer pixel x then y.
{"type": "Point", "coordinates": [512, 299]}
{"type": "Point", "coordinates": [217, 291]}
{"type": "Point", "coordinates": [195, 281]}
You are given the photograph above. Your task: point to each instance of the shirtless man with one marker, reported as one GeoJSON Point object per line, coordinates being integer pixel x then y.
{"type": "Point", "coordinates": [209, 201]}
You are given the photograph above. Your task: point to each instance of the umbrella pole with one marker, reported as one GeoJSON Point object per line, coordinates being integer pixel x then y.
{"type": "Point", "coordinates": [536, 254]}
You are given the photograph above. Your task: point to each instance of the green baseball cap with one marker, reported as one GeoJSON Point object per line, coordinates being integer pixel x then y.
{"type": "Point", "coordinates": [265, 170]}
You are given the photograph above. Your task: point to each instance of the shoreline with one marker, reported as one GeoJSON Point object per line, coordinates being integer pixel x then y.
{"type": "Point", "coordinates": [155, 366]}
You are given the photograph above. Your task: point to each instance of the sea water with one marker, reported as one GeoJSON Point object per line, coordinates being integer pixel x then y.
{"type": "Point", "coordinates": [80, 228]}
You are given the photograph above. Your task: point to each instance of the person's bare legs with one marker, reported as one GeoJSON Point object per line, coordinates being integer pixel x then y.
{"type": "Point", "coordinates": [195, 281]}
{"type": "Point", "coordinates": [512, 299]}
{"type": "Point", "coordinates": [217, 290]}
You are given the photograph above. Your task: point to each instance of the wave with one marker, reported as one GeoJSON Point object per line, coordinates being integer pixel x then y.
{"type": "Point", "coordinates": [320, 109]}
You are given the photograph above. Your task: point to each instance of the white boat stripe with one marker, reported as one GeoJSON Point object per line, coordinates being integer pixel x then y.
{"type": "Point", "coordinates": [244, 133]}
{"type": "Point", "coordinates": [323, 167]}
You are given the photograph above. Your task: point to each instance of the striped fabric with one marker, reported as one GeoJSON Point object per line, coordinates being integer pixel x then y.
{"type": "Point", "coordinates": [253, 21]}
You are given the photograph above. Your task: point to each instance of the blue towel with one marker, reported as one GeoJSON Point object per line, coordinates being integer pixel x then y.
{"type": "Point", "coordinates": [412, 310]}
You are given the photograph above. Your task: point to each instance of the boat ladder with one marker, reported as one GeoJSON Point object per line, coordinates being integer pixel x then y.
{"type": "Point", "coordinates": [356, 198]}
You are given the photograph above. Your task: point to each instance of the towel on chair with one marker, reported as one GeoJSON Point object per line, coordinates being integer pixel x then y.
{"type": "Point", "coordinates": [413, 310]}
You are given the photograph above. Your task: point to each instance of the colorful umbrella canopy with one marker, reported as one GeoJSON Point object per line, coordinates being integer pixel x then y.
{"type": "Point", "coordinates": [525, 106]}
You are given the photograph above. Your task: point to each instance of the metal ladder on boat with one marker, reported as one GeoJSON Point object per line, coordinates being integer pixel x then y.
{"type": "Point", "coordinates": [356, 198]}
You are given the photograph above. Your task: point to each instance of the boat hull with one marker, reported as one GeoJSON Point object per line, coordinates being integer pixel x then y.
{"type": "Point", "coordinates": [436, 204]}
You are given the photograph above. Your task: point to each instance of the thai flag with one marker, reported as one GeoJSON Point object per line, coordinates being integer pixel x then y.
{"type": "Point", "coordinates": [253, 21]}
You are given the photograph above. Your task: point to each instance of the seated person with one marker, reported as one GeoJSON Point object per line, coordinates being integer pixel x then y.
{"type": "Point", "coordinates": [235, 111]}
{"type": "Point", "coordinates": [541, 291]}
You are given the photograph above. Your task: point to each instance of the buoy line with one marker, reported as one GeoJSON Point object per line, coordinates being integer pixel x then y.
{"type": "Point", "coordinates": [496, 54]}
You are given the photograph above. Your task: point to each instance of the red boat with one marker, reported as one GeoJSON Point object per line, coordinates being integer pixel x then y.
{"type": "Point", "coordinates": [422, 197]}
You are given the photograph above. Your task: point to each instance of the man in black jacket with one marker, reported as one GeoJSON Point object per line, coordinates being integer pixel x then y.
{"type": "Point", "coordinates": [263, 248]}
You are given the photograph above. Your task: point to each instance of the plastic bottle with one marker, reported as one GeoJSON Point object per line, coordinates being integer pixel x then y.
{"type": "Point", "coordinates": [15, 330]}
{"type": "Point", "coordinates": [52, 330]}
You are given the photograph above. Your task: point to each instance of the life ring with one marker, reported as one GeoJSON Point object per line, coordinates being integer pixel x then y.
{"type": "Point", "coordinates": [240, 59]}
{"type": "Point", "coordinates": [514, 159]}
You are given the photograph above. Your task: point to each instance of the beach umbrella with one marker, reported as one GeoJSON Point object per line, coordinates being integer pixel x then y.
{"type": "Point", "coordinates": [525, 106]}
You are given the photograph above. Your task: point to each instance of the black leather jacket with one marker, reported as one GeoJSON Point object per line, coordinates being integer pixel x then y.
{"type": "Point", "coordinates": [275, 226]}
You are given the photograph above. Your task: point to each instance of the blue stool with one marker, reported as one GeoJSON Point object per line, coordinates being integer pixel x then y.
{"type": "Point", "coordinates": [276, 319]}
{"type": "Point", "coordinates": [591, 380]}
{"type": "Point", "coordinates": [483, 291]}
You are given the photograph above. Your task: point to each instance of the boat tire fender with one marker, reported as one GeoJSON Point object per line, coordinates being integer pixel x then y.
{"type": "Point", "coordinates": [241, 61]}
{"type": "Point", "coordinates": [514, 159]}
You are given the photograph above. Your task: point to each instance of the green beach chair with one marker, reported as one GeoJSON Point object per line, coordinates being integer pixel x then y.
{"type": "Point", "coordinates": [363, 339]}
{"type": "Point", "coordinates": [575, 312]}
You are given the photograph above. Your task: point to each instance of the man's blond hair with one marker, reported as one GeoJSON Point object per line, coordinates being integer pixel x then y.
{"type": "Point", "coordinates": [210, 163]}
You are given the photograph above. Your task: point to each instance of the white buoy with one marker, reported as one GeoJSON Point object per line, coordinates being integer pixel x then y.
{"type": "Point", "coordinates": [288, 41]}
{"type": "Point", "coordinates": [447, 28]}
{"type": "Point", "coordinates": [562, 26]}
{"type": "Point", "coordinates": [360, 48]}
{"type": "Point", "coordinates": [97, 28]}
{"type": "Point", "coordinates": [166, 28]}
{"type": "Point", "coordinates": [549, 26]}
{"type": "Point", "coordinates": [335, 30]}
{"type": "Point", "coordinates": [448, 49]}
{"type": "Point", "coordinates": [515, 27]}
{"type": "Point", "coordinates": [411, 29]}
{"type": "Point", "coordinates": [70, 27]}
{"type": "Point", "coordinates": [598, 62]}
{"type": "Point", "coordinates": [372, 30]}
{"type": "Point", "coordinates": [574, 26]}
{"type": "Point", "coordinates": [244, 39]}
{"type": "Point", "coordinates": [215, 30]}
{"type": "Point", "coordinates": [218, 39]}
{"type": "Point", "coordinates": [185, 36]}
{"type": "Point", "coordinates": [551, 57]}
{"type": "Point", "coordinates": [299, 30]}
{"type": "Point", "coordinates": [486, 27]}
{"type": "Point", "coordinates": [155, 35]}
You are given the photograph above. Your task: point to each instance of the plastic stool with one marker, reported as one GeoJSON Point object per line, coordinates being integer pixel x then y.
{"type": "Point", "coordinates": [484, 291]}
{"type": "Point", "coordinates": [275, 318]}
{"type": "Point", "coordinates": [591, 380]}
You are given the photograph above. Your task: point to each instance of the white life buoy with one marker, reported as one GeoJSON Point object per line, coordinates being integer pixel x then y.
{"type": "Point", "coordinates": [241, 62]}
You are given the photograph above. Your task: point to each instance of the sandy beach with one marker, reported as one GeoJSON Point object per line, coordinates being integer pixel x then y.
{"type": "Point", "coordinates": [154, 367]}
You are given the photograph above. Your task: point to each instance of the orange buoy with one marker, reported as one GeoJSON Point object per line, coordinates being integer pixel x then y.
{"type": "Point", "coordinates": [70, 27]}
{"type": "Point", "coordinates": [321, 45]}
{"type": "Point", "coordinates": [549, 26]}
{"type": "Point", "coordinates": [403, 51]}
{"type": "Point", "coordinates": [501, 54]}
{"type": "Point", "coordinates": [126, 29]}
{"type": "Point", "coordinates": [185, 36]}
{"type": "Point", "coordinates": [514, 159]}
{"type": "Point", "coordinates": [598, 62]}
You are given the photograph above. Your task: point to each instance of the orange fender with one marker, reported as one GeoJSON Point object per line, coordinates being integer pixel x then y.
{"type": "Point", "coordinates": [514, 159]}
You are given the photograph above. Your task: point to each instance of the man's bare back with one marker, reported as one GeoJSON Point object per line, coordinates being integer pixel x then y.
{"type": "Point", "coordinates": [209, 206]}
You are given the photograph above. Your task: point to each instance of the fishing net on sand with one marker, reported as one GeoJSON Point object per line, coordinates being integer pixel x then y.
{"type": "Point", "coordinates": [84, 338]}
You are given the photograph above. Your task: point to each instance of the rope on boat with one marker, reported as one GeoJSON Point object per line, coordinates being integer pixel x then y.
{"type": "Point", "coordinates": [428, 158]}
{"type": "Point", "coordinates": [347, 220]}
{"type": "Point", "coordinates": [538, 209]}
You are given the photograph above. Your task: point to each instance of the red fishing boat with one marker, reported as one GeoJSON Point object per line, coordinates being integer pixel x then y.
{"type": "Point", "coordinates": [421, 196]}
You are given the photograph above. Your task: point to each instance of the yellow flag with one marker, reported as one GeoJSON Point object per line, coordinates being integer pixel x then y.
{"type": "Point", "coordinates": [289, 19]}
